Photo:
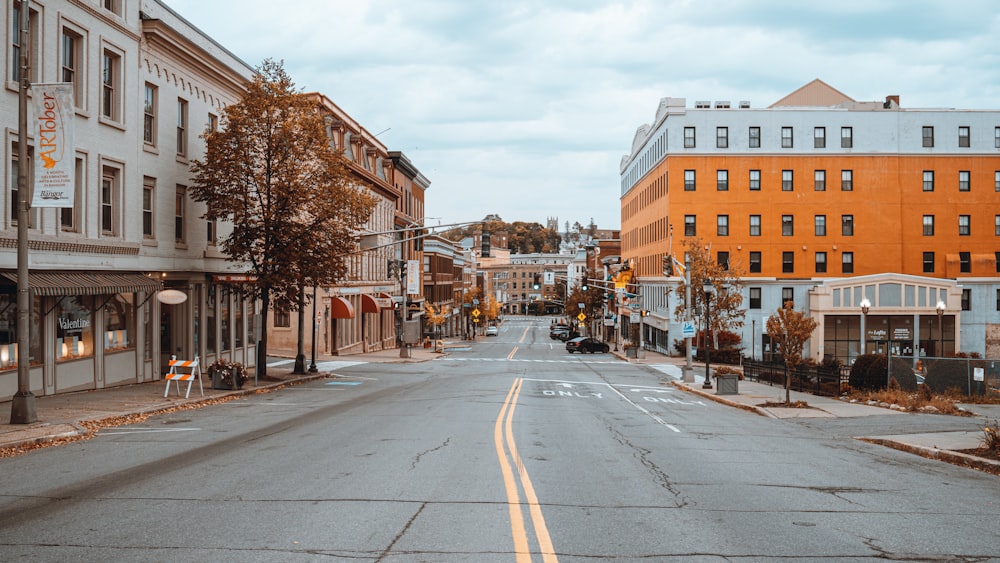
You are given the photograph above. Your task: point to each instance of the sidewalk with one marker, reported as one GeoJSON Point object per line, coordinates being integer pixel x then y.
{"type": "Point", "coordinates": [66, 416]}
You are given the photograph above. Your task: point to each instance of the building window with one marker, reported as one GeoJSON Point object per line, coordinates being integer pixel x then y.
{"type": "Point", "coordinates": [996, 225]}
{"type": "Point", "coordinates": [755, 262]}
{"type": "Point", "coordinates": [819, 180]}
{"type": "Point", "coordinates": [788, 262]}
{"type": "Point", "coordinates": [113, 6]}
{"type": "Point", "coordinates": [787, 184]}
{"type": "Point", "coordinates": [110, 178]}
{"type": "Point", "coordinates": [755, 225]}
{"type": "Point", "coordinates": [996, 181]}
{"type": "Point", "coordinates": [755, 180]}
{"type": "Point", "coordinates": [996, 257]}
{"type": "Point", "coordinates": [148, 197]}
{"type": "Point", "coordinates": [722, 259]}
{"type": "Point", "coordinates": [722, 137]}
{"type": "Point", "coordinates": [998, 300]}
{"type": "Point", "coordinates": [180, 197]}
{"type": "Point", "coordinates": [821, 225]}
{"type": "Point", "coordinates": [928, 262]}
{"type": "Point", "coordinates": [72, 64]}
{"type": "Point", "coordinates": [689, 184]}
{"type": "Point", "coordinates": [846, 180]}
{"type": "Point", "coordinates": [787, 294]}
{"type": "Point", "coordinates": [847, 263]}
{"type": "Point", "coordinates": [182, 121]}
{"type": "Point", "coordinates": [963, 181]}
{"type": "Point", "coordinates": [964, 227]}
{"type": "Point", "coordinates": [819, 137]}
{"type": "Point", "coordinates": [996, 137]}
{"type": "Point", "coordinates": [210, 232]}
{"type": "Point", "coordinates": [755, 298]}
{"type": "Point", "coordinates": [821, 262]}
{"type": "Point", "coordinates": [787, 225]}
{"type": "Point", "coordinates": [690, 226]}
{"type": "Point", "coordinates": [282, 319]}
{"type": "Point", "coordinates": [722, 180]}
{"type": "Point", "coordinates": [965, 262]}
{"type": "Point", "coordinates": [111, 68]}
{"type": "Point", "coordinates": [966, 299]}
{"type": "Point", "coordinates": [213, 123]}
{"type": "Point", "coordinates": [847, 225]}
{"type": "Point", "coordinates": [755, 137]}
{"type": "Point", "coordinates": [928, 180]}
{"type": "Point", "coordinates": [786, 138]}
{"type": "Point", "coordinates": [149, 115]}
{"type": "Point", "coordinates": [15, 43]}
{"type": "Point", "coordinates": [963, 136]}
{"type": "Point", "coordinates": [689, 137]}
{"type": "Point", "coordinates": [846, 137]}
{"type": "Point", "coordinates": [928, 225]}
{"type": "Point", "coordinates": [722, 226]}
{"type": "Point", "coordinates": [68, 215]}
{"type": "Point", "coordinates": [928, 136]}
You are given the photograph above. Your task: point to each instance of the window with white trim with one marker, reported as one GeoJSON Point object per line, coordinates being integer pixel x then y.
{"type": "Point", "coordinates": [72, 64]}
{"type": "Point", "coordinates": [110, 193]}
{"type": "Point", "coordinates": [963, 181]}
{"type": "Point", "coordinates": [819, 137]}
{"type": "Point", "coordinates": [819, 180]}
{"type": "Point", "coordinates": [180, 203]}
{"type": "Point", "coordinates": [111, 85]}
{"type": "Point", "coordinates": [148, 199]}
{"type": "Point", "coordinates": [182, 127]}
{"type": "Point", "coordinates": [963, 136]}
{"type": "Point", "coordinates": [149, 114]}
{"type": "Point", "coordinates": [846, 137]}
{"type": "Point", "coordinates": [786, 138]}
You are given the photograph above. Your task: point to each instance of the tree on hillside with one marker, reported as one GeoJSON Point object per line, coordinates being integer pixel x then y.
{"type": "Point", "coordinates": [726, 309]}
{"type": "Point", "coordinates": [270, 171]}
{"type": "Point", "coordinates": [789, 330]}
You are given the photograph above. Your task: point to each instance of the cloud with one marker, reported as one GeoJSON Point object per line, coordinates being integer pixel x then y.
{"type": "Point", "coordinates": [524, 109]}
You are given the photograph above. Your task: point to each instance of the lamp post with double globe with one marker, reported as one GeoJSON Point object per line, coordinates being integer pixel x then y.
{"type": "Point", "coordinates": [708, 290]}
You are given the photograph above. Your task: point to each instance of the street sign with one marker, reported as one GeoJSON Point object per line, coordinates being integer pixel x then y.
{"type": "Point", "coordinates": [635, 318]}
{"type": "Point", "coordinates": [687, 329]}
{"type": "Point", "coordinates": [475, 312]}
{"type": "Point", "coordinates": [581, 316]}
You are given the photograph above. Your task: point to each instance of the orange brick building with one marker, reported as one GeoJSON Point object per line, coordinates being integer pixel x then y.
{"type": "Point", "coordinates": [826, 201]}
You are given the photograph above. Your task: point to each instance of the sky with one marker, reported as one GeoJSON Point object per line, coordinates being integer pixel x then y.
{"type": "Point", "coordinates": [525, 108]}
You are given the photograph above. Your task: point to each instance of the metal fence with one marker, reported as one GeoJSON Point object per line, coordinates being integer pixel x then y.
{"type": "Point", "coordinates": [818, 380]}
{"type": "Point", "coordinates": [969, 376]}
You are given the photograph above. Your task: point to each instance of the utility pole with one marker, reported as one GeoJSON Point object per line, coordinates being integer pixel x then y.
{"type": "Point", "coordinates": [22, 409]}
{"type": "Point", "coordinates": [688, 367]}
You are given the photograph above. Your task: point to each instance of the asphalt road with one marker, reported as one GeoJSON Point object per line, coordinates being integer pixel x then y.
{"type": "Point", "coordinates": [508, 449]}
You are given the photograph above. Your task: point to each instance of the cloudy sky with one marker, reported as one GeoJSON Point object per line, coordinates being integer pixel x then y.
{"type": "Point", "coordinates": [525, 108]}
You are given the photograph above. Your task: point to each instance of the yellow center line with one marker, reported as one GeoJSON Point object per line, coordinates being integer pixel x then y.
{"type": "Point", "coordinates": [523, 335]}
{"type": "Point", "coordinates": [518, 531]}
{"type": "Point", "coordinates": [512, 352]}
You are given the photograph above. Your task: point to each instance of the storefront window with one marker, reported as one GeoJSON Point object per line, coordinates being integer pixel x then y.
{"type": "Point", "coordinates": [197, 318]}
{"type": "Point", "coordinates": [8, 332]}
{"type": "Point", "coordinates": [210, 320]}
{"type": "Point", "coordinates": [147, 323]}
{"type": "Point", "coordinates": [252, 322]}
{"type": "Point", "coordinates": [224, 317]}
{"type": "Point", "coordinates": [74, 327]}
{"type": "Point", "coordinates": [119, 323]}
{"type": "Point", "coordinates": [238, 325]}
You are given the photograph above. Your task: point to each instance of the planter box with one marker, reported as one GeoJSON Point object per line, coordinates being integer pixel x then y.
{"type": "Point", "coordinates": [727, 384]}
{"type": "Point", "coordinates": [218, 381]}
{"type": "Point", "coordinates": [632, 352]}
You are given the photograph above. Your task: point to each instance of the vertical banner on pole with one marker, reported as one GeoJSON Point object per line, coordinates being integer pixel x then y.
{"type": "Point", "coordinates": [413, 274]}
{"type": "Point", "coordinates": [55, 162]}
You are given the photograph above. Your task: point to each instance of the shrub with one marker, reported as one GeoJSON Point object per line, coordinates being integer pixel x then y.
{"type": "Point", "coordinates": [902, 373]}
{"type": "Point", "coordinates": [868, 372]}
{"type": "Point", "coordinates": [945, 375]}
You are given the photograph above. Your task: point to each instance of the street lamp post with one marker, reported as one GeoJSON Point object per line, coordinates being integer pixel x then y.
{"type": "Point", "coordinates": [940, 313]}
{"type": "Point", "coordinates": [865, 306]}
{"type": "Point", "coordinates": [312, 362]}
{"type": "Point", "coordinates": [708, 289]}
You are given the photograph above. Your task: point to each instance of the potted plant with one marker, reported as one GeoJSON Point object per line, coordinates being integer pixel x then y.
{"type": "Point", "coordinates": [227, 375]}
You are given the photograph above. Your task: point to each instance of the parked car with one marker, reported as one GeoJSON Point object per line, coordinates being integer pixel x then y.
{"type": "Point", "coordinates": [586, 344]}
{"type": "Point", "coordinates": [492, 331]}
{"type": "Point", "coordinates": [557, 330]}
{"type": "Point", "coordinates": [569, 335]}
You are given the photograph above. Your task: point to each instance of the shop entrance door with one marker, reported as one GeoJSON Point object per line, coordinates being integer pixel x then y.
{"type": "Point", "coordinates": [173, 337]}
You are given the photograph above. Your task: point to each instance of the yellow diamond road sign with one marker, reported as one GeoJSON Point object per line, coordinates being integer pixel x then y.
{"type": "Point", "coordinates": [581, 316]}
{"type": "Point", "coordinates": [475, 312]}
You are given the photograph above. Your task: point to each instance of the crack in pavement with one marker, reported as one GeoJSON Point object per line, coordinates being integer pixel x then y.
{"type": "Point", "coordinates": [416, 459]}
{"type": "Point", "coordinates": [388, 548]}
{"type": "Point", "coordinates": [642, 454]}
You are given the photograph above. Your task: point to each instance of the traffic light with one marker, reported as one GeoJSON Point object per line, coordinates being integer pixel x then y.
{"type": "Point", "coordinates": [537, 283]}
{"type": "Point", "coordinates": [584, 287]}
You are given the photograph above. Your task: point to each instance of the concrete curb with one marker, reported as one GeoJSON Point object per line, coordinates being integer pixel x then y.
{"type": "Point", "coordinates": [956, 458]}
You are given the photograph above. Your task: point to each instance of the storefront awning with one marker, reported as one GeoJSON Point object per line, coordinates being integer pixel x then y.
{"type": "Point", "coordinates": [47, 284]}
{"type": "Point", "coordinates": [375, 303]}
{"type": "Point", "coordinates": [341, 308]}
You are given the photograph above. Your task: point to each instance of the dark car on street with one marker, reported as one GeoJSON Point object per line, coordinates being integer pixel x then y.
{"type": "Point", "coordinates": [583, 344]}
